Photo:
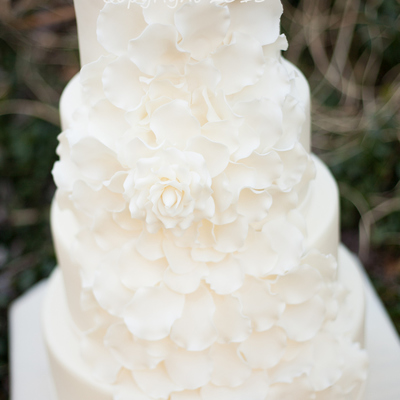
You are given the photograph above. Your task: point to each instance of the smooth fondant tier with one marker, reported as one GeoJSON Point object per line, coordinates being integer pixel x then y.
{"type": "Point", "coordinates": [87, 12]}
{"type": "Point", "coordinates": [74, 379]}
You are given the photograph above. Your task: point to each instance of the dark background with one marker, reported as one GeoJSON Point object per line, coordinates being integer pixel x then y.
{"type": "Point", "coordinates": [348, 49]}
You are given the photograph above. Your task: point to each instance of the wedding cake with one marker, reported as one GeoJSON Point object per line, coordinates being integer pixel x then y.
{"type": "Point", "coordinates": [196, 234]}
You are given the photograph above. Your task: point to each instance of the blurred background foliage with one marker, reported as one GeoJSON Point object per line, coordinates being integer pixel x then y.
{"type": "Point", "coordinates": [349, 51]}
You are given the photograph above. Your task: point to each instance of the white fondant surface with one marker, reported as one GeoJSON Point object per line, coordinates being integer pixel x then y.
{"type": "Point", "coordinates": [29, 368]}
{"type": "Point", "coordinates": [31, 376]}
{"type": "Point", "coordinates": [321, 211]}
{"type": "Point", "coordinates": [86, 18]}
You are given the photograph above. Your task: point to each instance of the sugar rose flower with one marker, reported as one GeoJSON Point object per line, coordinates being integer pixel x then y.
{"type": "Point", "coordinates": [171, 189]}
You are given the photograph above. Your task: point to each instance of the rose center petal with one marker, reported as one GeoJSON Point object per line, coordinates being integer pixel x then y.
{"type": "Point", "coordinates": [169, 197]}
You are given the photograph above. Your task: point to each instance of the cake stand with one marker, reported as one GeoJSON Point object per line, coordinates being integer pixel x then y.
{"type": "Point", "coordinates": [31, 376]}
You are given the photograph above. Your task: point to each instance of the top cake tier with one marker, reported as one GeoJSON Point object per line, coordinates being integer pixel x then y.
{"type": "Point", "coordinates": [257, 18]}
{"type": "Point", "coordinates": [232, 48]}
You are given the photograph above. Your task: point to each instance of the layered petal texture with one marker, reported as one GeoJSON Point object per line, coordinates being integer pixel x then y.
{"type": "Point", "coordinates": [185, 167]}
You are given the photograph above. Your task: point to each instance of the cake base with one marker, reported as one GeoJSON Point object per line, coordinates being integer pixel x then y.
{"type": "Point", "coordinates": [31, 376]}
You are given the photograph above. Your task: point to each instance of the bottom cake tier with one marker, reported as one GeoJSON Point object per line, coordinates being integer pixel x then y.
{"type": "Point", "coordinates": [74, 380]}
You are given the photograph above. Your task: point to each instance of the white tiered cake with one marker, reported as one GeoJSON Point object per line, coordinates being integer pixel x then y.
{"type": "Point", "coordinates": [196, 235]}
